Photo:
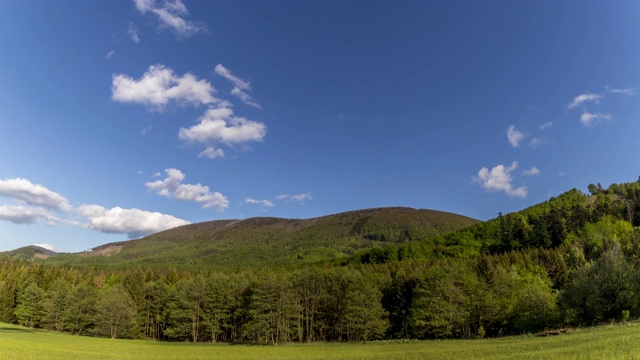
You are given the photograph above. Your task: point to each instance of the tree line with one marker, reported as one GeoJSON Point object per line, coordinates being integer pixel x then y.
{"type": "Point", "coordinates": [574, 260]}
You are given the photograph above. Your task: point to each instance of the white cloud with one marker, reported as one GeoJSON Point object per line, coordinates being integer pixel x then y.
{"type": "Point", "coordinates": [171, 14]}
{"type": "Point", "coordinates": [246, 98]}
{"type": "Point", "coordinates": [499, 179]}
{"type": "Point", "coordinates": [627, 91]}
{"type": "Point", "coordinates": [530, 172]}
{"type": "Point", "coordinates": [236, 81]}
{"type": "Point", "coordinates": [221, 125]}
{"type": "Point", "coordinates": [211, 153]}
{"type": "Point", "coordinates": [110, 54]}
{"type": "Point", "coordinates": [25, 191]}
{"type": "Point", "coordinates": [133, 33]}
{"type": "Point", "coordinates": [49, 247]}
{"type": "Point", "coordinates": [172, 188]}
{"type": "Point", "coordinates": [588, 119]}
{"type": "Point", "coordinates": [135, 223]}
{"type": "Point", "coordinates": [25, 214]}
{"type": "Point", "coordinates": [536, 141]}
{"type": "Point", "coordinates": [265, 203]}
{"type": "Point", "coordinates": [545, 125]}
{"type": "Point", "coordinates": [301, 197]}
{"type": "Point", "coordinates": [159, 85]}
{"type": "Point", "coordinates": [240, 86]}
{"type": "Point", "coordinates": [586, 97]}
{"type": "Point", "coordinates": [514, 136]}
{"type": "Point", "coordinates": [296, 197]}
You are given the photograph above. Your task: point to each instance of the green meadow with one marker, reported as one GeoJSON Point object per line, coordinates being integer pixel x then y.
{"type": "Point", "coordinates": [605, 342]}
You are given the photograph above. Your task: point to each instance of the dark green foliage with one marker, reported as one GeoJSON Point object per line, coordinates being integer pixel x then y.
{"type": "Point", "coordinates": [55, 306]}
{"type": "Point", "coordinates": [80, 310]}
{"type": "Point", "coordinates": [274, 310]}
{"type": "Point", "coordinates": [571, 260]}
{"type": "Point", "coordinates": [186, 309]}
{"type": "Point", "coordinates": [602, 290]}
{"type": "Point", "coordinates": [30, 309]}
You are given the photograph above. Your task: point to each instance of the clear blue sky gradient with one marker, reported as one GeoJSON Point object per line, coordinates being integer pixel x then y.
{"type": "Point", "coordinates": [366, 104]}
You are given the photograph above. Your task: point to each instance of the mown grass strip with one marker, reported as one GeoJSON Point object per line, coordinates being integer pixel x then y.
{"type": "Point", "coordinates": [606, 342]}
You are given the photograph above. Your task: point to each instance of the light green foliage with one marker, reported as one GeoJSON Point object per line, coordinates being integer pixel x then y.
{"type": "Point", "coordinates": [115, 312]}
{"type": "Point", "coordinates": [606, 234]}
{"type": "Point", "coordinates": [536, 303]}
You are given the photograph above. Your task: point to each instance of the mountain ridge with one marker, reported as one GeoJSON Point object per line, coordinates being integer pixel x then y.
{"type": "Point", "coordinates": [273, 240]}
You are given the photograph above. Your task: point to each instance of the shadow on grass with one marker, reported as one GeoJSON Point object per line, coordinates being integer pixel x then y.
{"type": "Point", "coordinates": [249, 344]}
{"type": "Point", "coordinates": [13, 329]}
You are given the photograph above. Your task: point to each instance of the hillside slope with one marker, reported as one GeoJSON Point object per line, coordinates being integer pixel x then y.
{"type": "Point", "coordinates": [31, 251]}
{"type": "Point", "coordinates": [265, 240]}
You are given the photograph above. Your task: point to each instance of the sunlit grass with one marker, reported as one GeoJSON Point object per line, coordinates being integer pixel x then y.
{"type": "Point", "coordinates": [607, 342]}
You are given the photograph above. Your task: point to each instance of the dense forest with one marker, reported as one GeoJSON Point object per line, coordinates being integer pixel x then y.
{"type": "Point", "coordinates": [571, 261]}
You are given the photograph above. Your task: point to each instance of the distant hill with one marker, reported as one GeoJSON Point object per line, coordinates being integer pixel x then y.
{"type": "Point", "coordinates": [265, 240]}
{"type": "Point", "coordinates": [31, 251]}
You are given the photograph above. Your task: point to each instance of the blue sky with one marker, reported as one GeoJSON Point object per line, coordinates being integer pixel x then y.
{"type": "Point", "coordinates": [122, 118]}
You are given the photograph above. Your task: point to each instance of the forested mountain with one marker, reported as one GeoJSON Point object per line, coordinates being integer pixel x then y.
{"type": "Point", "coordinates": [572, 218]}
{"type": "Point", "coordinates": [572, 260]}
{"type": "Point", "coordinates": [259, 241]}
{"type": "Point", "coordinates": [28, 252]}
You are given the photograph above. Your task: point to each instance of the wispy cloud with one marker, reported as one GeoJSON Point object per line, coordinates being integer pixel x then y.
{"type": "Point", "coordinates": [627, 91]}
{"type": "Point", "coordinates": [173, 188]}
{"type": "Point", "coordinates": [514, 136]}
{"type": "Point", "coordinates": [537, 141]}
{"type": "Point", "coordinates": [545, 125]}
{"type": "Point", "coordinates": [133, 33]}
{"type": "Point", "coordinates": [583, 98]}
{"type": "Point", "coordinates": [296, 197]}
{"type": "Point", "coordinates": [171, 14]}
{"type": "Point", "coordinates": [240, 86]}
{"type": "Point", "coordinates": [110, 55]}
{"type": "Point", "coordinates": [589, 119]}
{"type": "Point", "coordinates": [530, 172]}
{"type": "Point", "coordinates": [135, 223]}
{"type": "Point", "coordinates": [264, 203]}
{"type": "Point", "coordinates": [159, 85]}
{"type": "Point", "coordinates": [499, 179]}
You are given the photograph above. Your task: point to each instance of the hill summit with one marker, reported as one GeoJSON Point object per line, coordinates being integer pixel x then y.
{"type": "Point", "coordinates": [267, 240]}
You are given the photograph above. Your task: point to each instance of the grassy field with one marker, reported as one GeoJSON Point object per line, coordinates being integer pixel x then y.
{"type": "Point", "coordinates": [607, 342]}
